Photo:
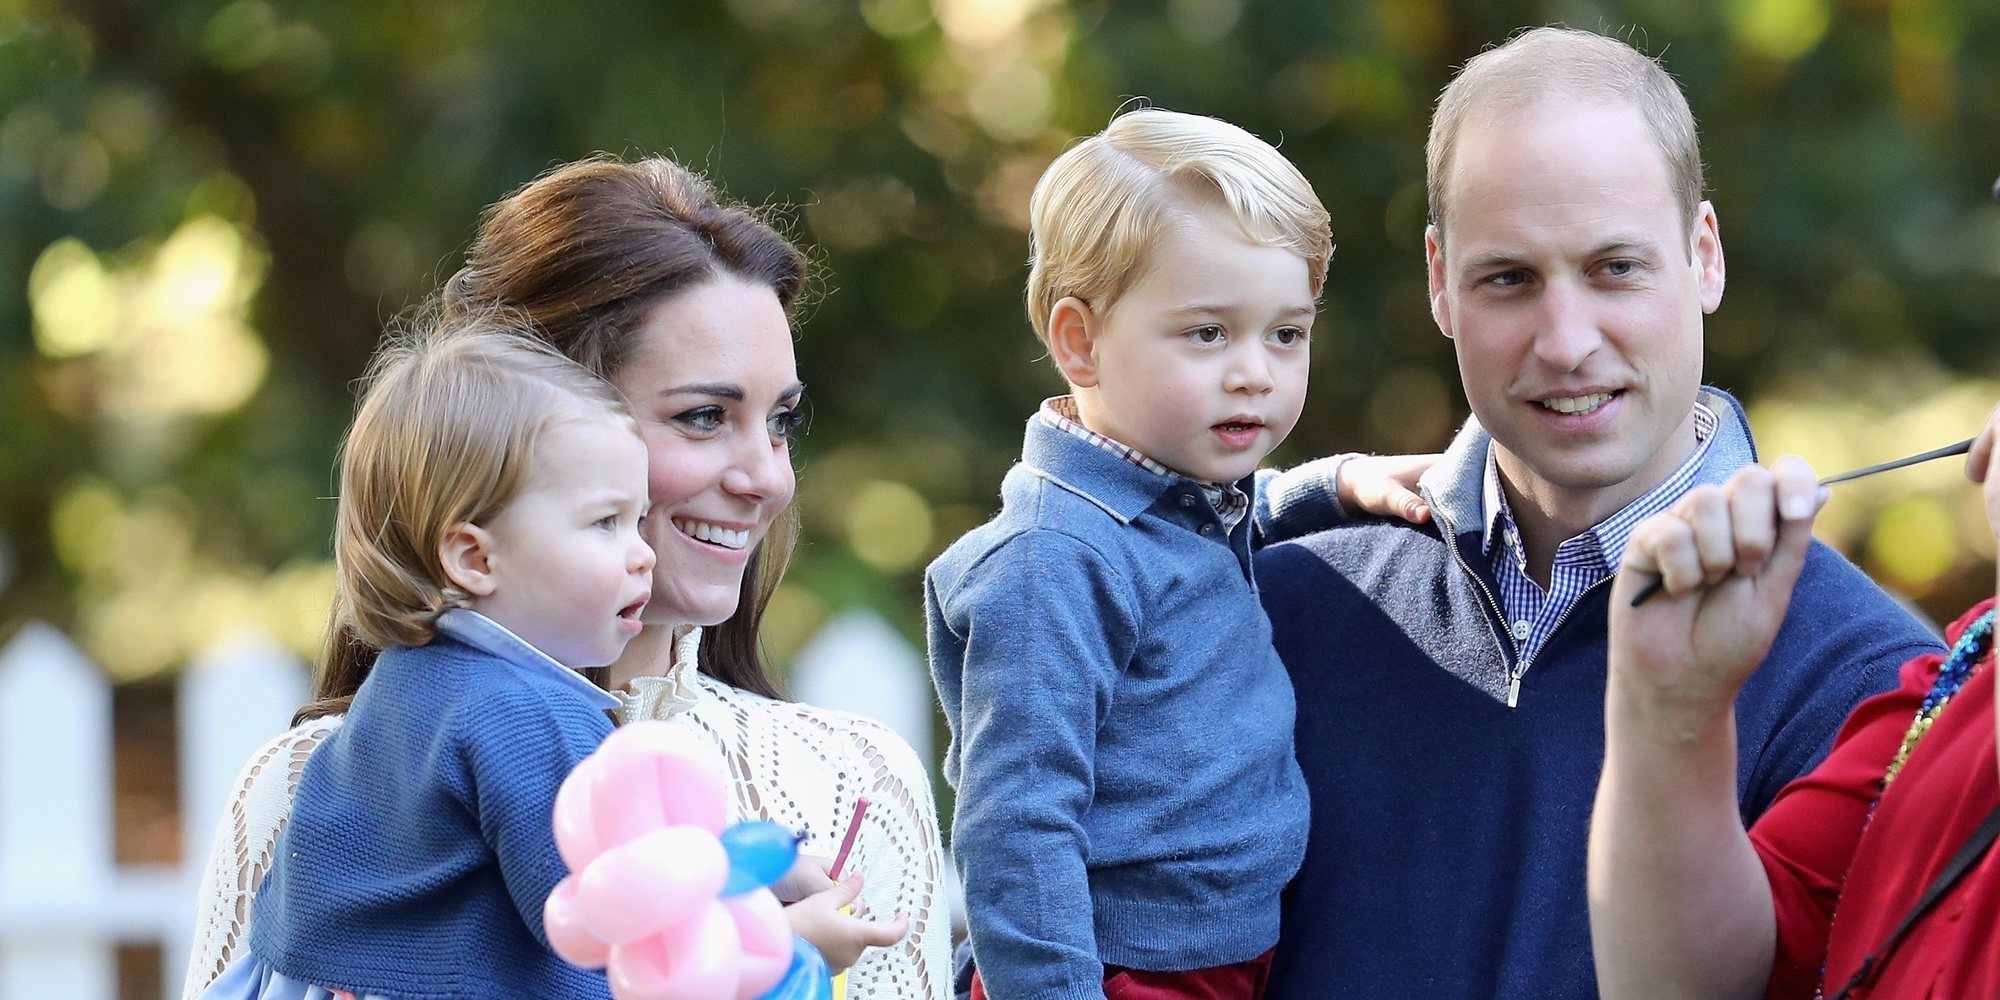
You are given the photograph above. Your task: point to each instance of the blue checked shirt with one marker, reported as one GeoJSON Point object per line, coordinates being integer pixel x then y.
{"type": "Point", "coordinates": [1581, 562]}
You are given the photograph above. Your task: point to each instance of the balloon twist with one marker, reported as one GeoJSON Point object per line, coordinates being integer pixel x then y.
{"type": "Point", "coordinates": [673, 904]}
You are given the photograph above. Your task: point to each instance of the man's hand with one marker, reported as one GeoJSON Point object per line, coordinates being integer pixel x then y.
{"type": "Point", "coordinates": [842, 937]}
{"type": "Point", "coordinates": [1728, 558]}
{"type": "Point", "coordinates": [1384, 485]}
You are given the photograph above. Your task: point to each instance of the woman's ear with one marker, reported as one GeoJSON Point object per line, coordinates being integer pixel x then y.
{"type": "Point", "coordinates": [1073, 331]}
{"type": "Point", "coordinates": [467, 556]}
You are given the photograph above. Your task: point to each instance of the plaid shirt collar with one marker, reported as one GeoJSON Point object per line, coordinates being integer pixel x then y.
{"type": "Point", "coordinates": [1604, 543]}
{"type": "Point", "coordinates": [1230, 503]}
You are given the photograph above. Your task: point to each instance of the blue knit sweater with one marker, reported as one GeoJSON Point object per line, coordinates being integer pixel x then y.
{"type": "Point", "coordinates": [421, 846]}
{"type": "Point", "coordinates": [1121, 727]}
{"type": "Point", "coordinates": [1446, 856]}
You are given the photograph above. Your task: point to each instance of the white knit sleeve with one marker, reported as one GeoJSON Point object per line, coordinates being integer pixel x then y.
{"type": "Point", "coordinates": [245, 839]}
{"type": "Point", "coordinates": [899, 850]}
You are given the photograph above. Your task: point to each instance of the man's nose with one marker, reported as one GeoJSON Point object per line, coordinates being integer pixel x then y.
{"type": "Point", "coordinates": [1569, 331]}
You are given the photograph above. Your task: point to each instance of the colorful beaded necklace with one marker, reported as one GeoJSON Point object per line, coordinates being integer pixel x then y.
{"type": "Point", "coordinates": [1966, 655]}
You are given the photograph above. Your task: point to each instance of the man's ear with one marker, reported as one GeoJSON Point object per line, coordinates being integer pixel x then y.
{"type": "Point", "coordinates": [1707, 255]}
{"type": "Point", "coordinates": [1434, 267]}
{"type": "Point", "coordinates": [1073, 331]}
{"type": "Point", "coordinates": [467, 556]}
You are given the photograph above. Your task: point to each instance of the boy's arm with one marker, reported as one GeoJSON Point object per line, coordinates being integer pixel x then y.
{"type": "Point", "coordinates": [1329, 492]}
{"type": "Point", "coordinates": [1046, 628]}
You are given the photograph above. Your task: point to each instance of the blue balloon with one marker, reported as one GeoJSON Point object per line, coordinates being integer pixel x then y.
{"type": "Point", "coordinates": [808, 977]}
{"type": "Point", "coordinates": [760, 853]}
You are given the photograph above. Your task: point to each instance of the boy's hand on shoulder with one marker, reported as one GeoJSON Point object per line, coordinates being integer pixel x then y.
{"type": "Point", "coordinates": [1383, 485]}
{"type": "Point", "coordinates": [840, 936]}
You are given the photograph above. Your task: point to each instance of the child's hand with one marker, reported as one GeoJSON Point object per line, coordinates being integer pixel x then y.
{"type": "Point", "coordinates": [806, 877]}
{"type": "Point", "coordinates": [842, 938]}
{"type": "Point", "coordinates": [1384, 485]}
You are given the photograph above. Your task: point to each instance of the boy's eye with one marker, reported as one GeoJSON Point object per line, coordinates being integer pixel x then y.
{"type": "Point", "coordinates": [1206, 334]}
{"type": "Point", "coordinates": [1286, 336]}
{"type": "Point", "coordinates": [787, 422]}
{"type": "Point", "coordinates": [701, 418]}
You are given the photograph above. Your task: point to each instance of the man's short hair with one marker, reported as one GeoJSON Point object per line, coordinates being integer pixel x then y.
{"type": "Point", "coordinates": [1105, 203]}
{"type": "Point", "coordinates": [1542, 63]}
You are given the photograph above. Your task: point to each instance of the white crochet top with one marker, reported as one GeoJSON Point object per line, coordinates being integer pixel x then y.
{"type": "Point", "coordinates": [794, 764]}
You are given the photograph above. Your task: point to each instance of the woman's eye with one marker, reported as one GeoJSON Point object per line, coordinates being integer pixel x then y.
{"type": "Point", "coordinates": [786, 423]}
{"type": "Point", "coordinates": [1206, 335]}
{"type": "Point", "coordinates": [703, 418]}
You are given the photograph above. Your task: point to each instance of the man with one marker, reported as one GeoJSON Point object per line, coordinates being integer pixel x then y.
{"type": "Point", "coordinates": [1451, 676]}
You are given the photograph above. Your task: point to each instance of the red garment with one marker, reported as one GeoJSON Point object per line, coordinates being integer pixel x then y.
{"type": "Point", "coordinates": [1242, 981]}
{"type": "Point", "coordinates": [1816, 853]}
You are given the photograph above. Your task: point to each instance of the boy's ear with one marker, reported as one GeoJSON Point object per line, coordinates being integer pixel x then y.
{"type": "Point", "coordinates": [467, 556]}
{"type": "Point", "coordinates": [1073, 329]}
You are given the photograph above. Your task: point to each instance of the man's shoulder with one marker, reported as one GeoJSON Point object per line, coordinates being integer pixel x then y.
{"type": "Point", "coordinates": [1836, 605]}
{"type": "Point", "coordinates": [1363, 548]}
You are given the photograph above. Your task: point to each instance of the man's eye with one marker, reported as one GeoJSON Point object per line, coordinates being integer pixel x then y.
{"type": "Point", "coordinates": [1621, 268]}
{"type": "Point", "coordinates": [1206, 334]}
{"type": "Point", "coordinates": [1508, 279]}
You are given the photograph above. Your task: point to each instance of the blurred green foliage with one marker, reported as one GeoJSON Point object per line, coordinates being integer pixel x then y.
{"type": "Point", "coordinates": [212, 208]}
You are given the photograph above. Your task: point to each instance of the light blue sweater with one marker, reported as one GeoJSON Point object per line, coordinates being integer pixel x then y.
{"type": "Point", "coordinates": [1121, 727]}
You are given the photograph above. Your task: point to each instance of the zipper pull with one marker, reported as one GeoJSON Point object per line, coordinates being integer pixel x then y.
{"type": "Point", "coordinates": [1514, 692]}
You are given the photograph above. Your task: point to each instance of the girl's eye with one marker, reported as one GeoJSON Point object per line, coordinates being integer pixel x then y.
{"type": "Point", "coordinates": [1206, 335]}
{"type": "Point", "coordinates": [701, 418]}
{"type": "Point", "coordinates": [608, 522]}
{"type": "Point", "coordinates": [1286, 336]}
{"type": "Point", "coordinates": [786, 423]}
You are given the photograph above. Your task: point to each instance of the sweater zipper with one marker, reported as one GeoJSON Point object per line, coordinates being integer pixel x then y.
{"type": "Point", "coordinates": [1492, 602]}
{"type": "Point", "coordinates": [1514, 686]}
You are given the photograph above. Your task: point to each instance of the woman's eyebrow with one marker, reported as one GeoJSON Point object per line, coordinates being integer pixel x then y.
{"type": "Point", "coordinates": [722, 390]}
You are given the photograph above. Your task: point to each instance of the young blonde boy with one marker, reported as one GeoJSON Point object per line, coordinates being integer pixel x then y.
{"type": "Point", "coordinates": [1128, 804]}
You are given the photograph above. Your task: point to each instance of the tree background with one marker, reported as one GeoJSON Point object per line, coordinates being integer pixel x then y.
{"type": "Point", "coordinates": [212, 209]}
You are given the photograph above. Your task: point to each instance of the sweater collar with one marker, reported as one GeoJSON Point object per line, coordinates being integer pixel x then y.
{"type": "Point", "coordinates": [1454, 487]}
{"type": "Point", "coordinates": [494, 639]}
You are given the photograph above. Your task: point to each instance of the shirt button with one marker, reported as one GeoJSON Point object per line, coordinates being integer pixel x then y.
{"type": "Point", "coordinates": [1187, 500]}
{"type": "Point", "coordinates": [1208, 529]}
{"type": "Point", "coordinates": [1521, 630]}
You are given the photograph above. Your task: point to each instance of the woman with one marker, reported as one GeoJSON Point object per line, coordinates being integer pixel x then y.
{"type": "Point", "coordinates": [682, 303]}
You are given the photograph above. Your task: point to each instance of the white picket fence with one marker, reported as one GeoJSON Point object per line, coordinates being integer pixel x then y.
{"type": "Point", "coordinates": [65, 903]}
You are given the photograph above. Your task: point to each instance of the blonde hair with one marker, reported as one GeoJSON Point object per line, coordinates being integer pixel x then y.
{"type": "Point", "coordinates": [444, 434]}
{"type": "Point", "coordinates": [1544, 63]}
{"type": "Point", "coordinates": [1104, 204]}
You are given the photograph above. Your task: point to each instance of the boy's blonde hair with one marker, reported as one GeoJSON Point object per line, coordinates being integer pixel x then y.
{"type": "Point", "coordinates": [1557, 62]}
{"type": "Point", "coordinates": [1104, 204]}
{"type": "Point", "coordinates": [444, 435]}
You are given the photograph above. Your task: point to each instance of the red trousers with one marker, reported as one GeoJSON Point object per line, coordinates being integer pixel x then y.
{"type": "Point", "coordinates": [1242, 981]}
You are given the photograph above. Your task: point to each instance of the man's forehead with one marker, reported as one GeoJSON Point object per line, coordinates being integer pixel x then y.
{"type": "Point", "coordinates": [1556, 161]}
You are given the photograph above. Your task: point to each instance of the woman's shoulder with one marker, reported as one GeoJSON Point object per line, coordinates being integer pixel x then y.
{"type": "Point", "coordinates": [864, 743]}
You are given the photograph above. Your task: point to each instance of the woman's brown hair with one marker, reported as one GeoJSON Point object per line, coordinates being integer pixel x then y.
{"type": "Point", "coordinates": [584, 253]}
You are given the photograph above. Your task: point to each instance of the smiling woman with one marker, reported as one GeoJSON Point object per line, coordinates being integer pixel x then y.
{"type": "Point", "coordinates": [683, 303]}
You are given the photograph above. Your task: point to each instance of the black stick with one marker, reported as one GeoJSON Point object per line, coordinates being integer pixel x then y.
{"type": "Point", "coordinates": [1646, 593]}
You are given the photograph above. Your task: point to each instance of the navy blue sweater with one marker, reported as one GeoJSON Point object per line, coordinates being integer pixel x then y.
{"type": "Point", "coordinates": [1446, 857]}
{"type": "Point", "coordinates": [1121, 728]}
{"type": "Point", "coordinates": [421, 845]}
